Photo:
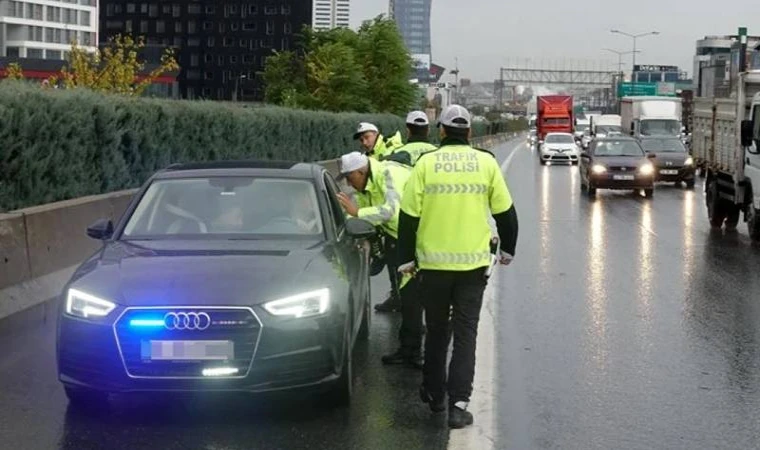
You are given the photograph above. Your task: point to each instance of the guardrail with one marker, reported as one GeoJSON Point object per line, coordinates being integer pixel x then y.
{"type": "Point", "coordinates": [41, 246]}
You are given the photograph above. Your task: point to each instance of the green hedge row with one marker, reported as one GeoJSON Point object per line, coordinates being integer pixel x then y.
{"type": "Point", "coordinates": [62, 144]}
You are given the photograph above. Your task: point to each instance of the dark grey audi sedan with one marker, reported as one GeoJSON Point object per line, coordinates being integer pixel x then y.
{"type": "Point", "coordinates": [225, 276]}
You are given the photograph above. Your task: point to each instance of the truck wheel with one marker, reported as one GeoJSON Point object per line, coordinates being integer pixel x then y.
{"type": "Point", "coordinates": [753, 222]}
{"type": "Point", "coordinates": [716, 208]}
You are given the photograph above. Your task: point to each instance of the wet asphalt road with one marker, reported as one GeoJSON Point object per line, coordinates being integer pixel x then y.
{"type": "Point", "coordinates": [625, 322]}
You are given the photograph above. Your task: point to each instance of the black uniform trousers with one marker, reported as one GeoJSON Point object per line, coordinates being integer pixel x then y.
{"type": "Point", "coordinates": [391, 260]}
{"type": "Point", "coordinates": [410, 333]}
{"type": "Point", "coordinates": [452, 302]}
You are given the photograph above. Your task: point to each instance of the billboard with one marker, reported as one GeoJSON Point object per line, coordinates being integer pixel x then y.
{"type": "Point", "coordinates": [651, 68]}
{"type": "Point", "coordinates": [421, 61]}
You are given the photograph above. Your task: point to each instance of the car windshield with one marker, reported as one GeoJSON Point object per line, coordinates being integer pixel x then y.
{"type": "Point", "coordinates": [226, 208]}
{"type": "Point", "coordinates": [663, 145]}
{"type": "Point", "coordinates": [618, 148]}
{"type": "Point", "coordinates": [559, 139]}
{"type": "Point", "coordinates": [609, 129]}
{"type": "Point", "coordinates": [657, 127]}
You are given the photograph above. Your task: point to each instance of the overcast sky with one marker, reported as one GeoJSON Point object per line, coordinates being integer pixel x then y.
{"type": "Point", "coordinates": [488, 34]}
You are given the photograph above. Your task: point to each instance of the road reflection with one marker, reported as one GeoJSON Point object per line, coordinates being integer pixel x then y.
{"type": "Point", "coordinates": [596, 293]}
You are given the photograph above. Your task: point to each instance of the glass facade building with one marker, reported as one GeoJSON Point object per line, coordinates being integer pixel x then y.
{"type": "Point", "coordinates": [413, 20]}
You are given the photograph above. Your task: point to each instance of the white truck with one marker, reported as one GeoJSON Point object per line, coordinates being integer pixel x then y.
{"type": "Point", "coordinates": [726, 146]}
{"type": "Point", "coordinates": [651, 116]}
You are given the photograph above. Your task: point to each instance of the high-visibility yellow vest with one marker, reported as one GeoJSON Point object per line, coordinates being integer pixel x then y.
{"type": "Point", "coordinates": [380, 202]}
{"type": "Point", "coordinates": [453, 191]}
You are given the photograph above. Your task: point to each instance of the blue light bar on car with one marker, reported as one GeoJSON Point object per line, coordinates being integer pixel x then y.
{"type": "Point", "coordinates": [146, 323]}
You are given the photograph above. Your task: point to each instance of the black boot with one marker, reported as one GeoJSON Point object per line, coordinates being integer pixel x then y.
{"type": "Point", "coordinates": [436, 404]}
{"type": "Point", "coordinates": [459, 417]}
{"type": "Point", "coordinates": [391, 304]}
{"type": "Point", "coordinates": [403, 357]}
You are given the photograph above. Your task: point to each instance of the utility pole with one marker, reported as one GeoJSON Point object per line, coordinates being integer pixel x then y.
{"type": "Point", "coordinates": [634, 37]}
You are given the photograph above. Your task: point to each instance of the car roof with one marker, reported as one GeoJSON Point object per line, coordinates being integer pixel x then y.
{"type": "Point", "coordinates": [270, 168]}
{"type": "Point", "coordinates": [621, 137]}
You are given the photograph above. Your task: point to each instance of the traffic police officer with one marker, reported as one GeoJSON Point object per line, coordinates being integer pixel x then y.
{"type": "Point", "coordinates": [374, 143]}
{"type": "Point", "coordinates": [378, 186]}
{"type": "Point", "coordinates": [418, 139]}
{"type": "Point", "coordinates": [445, 237]}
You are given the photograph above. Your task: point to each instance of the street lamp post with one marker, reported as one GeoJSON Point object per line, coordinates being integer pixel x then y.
{"type": "Point", "coordinates": [634, 37]}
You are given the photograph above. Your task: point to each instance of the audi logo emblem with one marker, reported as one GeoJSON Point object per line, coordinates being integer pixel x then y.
{"type": "Point", "coordinates": [187, 321]}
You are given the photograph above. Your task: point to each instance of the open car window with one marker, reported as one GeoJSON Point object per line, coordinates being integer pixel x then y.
{"type": "Point", "coordinates": [227, 207]}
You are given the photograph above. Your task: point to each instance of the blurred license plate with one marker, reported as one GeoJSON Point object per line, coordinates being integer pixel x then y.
{"type": "Point", "coordinates": [187, 350]}
{"type": "Point", "coordinates": [669, 172]}
{"type": "Point", "coordinates": [622, 177]}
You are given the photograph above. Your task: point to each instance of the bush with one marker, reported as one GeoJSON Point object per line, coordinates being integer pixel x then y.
{"type": "Point", "coordinates": [62, 144]}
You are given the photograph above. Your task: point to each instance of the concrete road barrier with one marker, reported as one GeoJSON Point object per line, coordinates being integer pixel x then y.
{"type": "Point", "coordinates": [41, 246]}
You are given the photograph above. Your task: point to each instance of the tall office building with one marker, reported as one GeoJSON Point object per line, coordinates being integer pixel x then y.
{"type": "Point", "coordinates": [329, 14]}
{"type": "Point", "coordinates": [222, 44]}
{"type": "Point", "coordinates": [45, 29]}
{"type": "Point", "coordinates": [413, 19]}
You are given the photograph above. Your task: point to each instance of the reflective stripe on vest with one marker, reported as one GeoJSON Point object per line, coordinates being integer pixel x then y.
{"type": "Point", "coordinates": [454, 258]}
{"type": "Point", "coordinates": [455, 188]}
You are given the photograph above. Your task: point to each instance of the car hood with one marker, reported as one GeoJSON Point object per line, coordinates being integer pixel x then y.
{"type": "Point", "coordinates": [615, 161]}
{"type": "Point", "coordinates": [674, 158]}
{"type": "Point", "coordinates": [560, 146]}
{"type": "Point", "coordinates": [205, 273]}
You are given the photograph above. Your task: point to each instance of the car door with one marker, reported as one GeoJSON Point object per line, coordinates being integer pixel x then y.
{"type": "Point", "coordinates": [353, 255]}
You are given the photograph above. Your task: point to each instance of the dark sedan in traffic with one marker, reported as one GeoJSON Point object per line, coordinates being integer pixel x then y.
{"type": "Point", "coordinates": [617, 162]}
{"type": "Point", "coordinates": [226, 276]}
{"type": "Point", "coordinates": [671, 159]}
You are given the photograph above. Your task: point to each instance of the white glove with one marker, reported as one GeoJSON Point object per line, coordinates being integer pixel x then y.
{"type": "Point", "coordinates": [505, 258]}
{"type": "Point", "coordinates": [409, 267]}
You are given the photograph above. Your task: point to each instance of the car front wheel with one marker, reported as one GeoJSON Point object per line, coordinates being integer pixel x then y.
{"type": "Point", "coordinates": [341, 392]}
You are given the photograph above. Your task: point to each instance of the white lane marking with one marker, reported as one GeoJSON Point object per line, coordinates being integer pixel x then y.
{"type": "Point", "coordinates": [482, 434]}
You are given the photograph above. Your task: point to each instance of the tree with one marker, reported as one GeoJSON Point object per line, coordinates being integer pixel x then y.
{"type": "Point", "coordinates": [387, 66]}
{"type": "Point", "coordinates": [285, 79]}
{"type": "Point", "coordinates": [342, 70]}
{"type": "Point", "coordinates": [334, 79]}
{"type": "Point", "coordinates": [115, 69]}
{"type": "Point", "coordinates": [14, 72]}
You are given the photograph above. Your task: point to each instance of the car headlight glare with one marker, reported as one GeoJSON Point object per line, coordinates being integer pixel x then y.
{"type": "Point", "coordinates": [312, 303]}
{"type": "Point", "coordinates": [84, 305]}
{"type": "Point", "coordinates": [689, 161]}
{"type": "Point", "coordinates": [598, 168]}
{"type": "Point", "coordinates": [646, 169]}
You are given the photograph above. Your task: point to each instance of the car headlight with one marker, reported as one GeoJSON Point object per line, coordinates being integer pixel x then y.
{"type": "Point", "coordinates": [646, 169]}
{"type": "Point", "coordinates": [689, 161]}
{"type": "Point", "coordinates": [84, 305]}
{"type": "Point", "coordinates": [598, 168]}
{"type": "Point", "coordinates": [312, 303]}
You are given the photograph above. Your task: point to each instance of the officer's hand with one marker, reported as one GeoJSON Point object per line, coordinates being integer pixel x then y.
{"type": "Point", "coordinates": [505, 258]}
{"type": "Point", "coordinates": [347, 204]}
{"type": "Point", "coordinates": [407, 268]}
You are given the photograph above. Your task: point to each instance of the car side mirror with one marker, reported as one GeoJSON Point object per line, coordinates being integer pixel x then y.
{"type": "Point", "coordinates": [101, 230]}
{"type": "Point", "coordinates": [746, 133]}
{"type": "Point", "coordinates": [651, 155]}
{"type": "Point", "coordinates": [359, 228]}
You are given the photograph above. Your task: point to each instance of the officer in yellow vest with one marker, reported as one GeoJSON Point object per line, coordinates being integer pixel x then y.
{"type": "Point", "coordinates": [418, 140]}
{"type": "Point", "coordinates": [374, 143]}
{"type": "Point", "coordinates": [445, 239]}
{"type": "Point", "coordinates": [378, 188]}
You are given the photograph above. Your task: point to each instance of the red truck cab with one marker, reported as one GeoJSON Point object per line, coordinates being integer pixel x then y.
{"type": "Point", "coordinates": [554, 115]}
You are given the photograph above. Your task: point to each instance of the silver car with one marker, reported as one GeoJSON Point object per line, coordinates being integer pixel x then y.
{"type": "Point", "coordinates": [559, 148]}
